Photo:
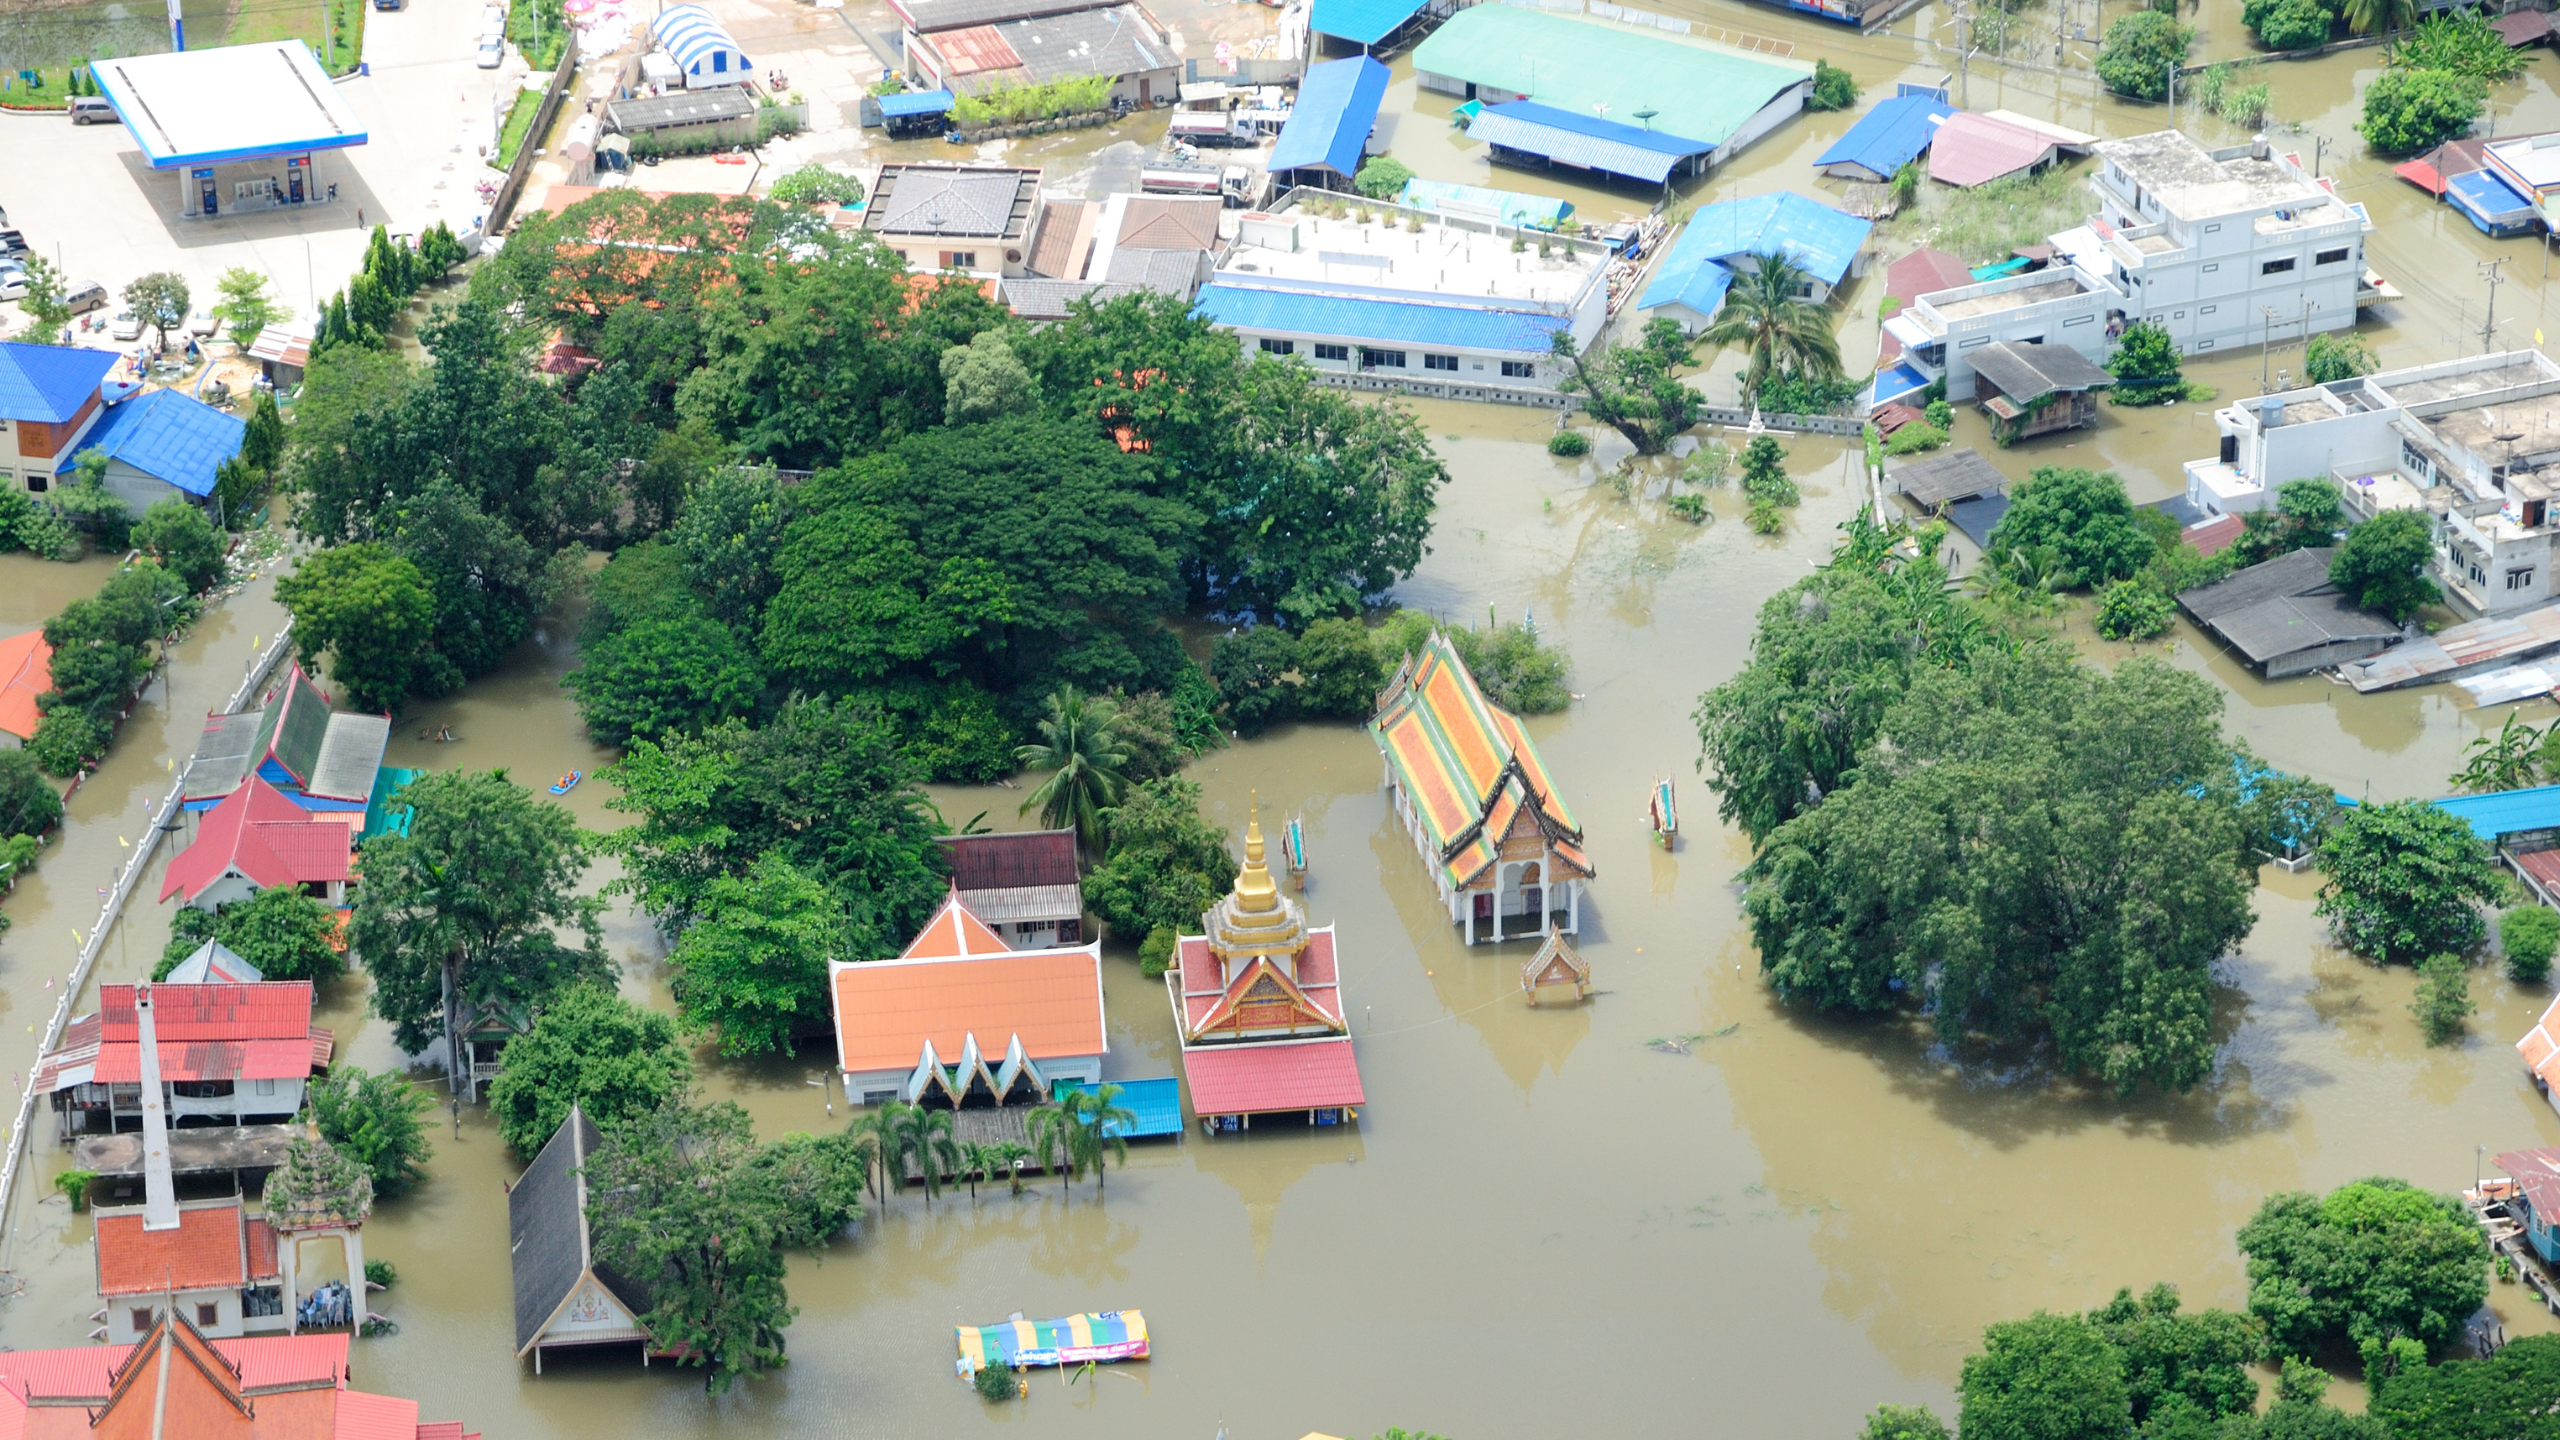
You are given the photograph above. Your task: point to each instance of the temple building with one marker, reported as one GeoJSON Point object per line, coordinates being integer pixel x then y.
{"type": "Point", "coordinates": [1505, 852]}
{"type": "Point", "coordinates": [1258, 999]}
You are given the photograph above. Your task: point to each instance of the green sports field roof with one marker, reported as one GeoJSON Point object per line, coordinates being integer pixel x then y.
{"type": "Point", "coordinates": [1697, 91]}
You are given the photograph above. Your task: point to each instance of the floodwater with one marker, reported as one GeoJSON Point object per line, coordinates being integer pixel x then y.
{"type": "Point", "coordinates": [1677, 1205]}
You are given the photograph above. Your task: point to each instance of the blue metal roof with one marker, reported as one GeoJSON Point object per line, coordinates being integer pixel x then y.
{"type": "Point", "coordinates": [1584, 140]}
{"type": "Point", "coordinates": [1337, 106]}
{"type": "Point", "coordinates": [167, 436]}
{"type": "Point", "coordinates": [1812, 234]}
{"type": "Point", "coordinates": [1889, 136]}
{"type": "Point", "coordinates": [2503, 812]}
{"type": "Point", "coordinates": [917, 102]}
{"type": "Point", "coordinates": [1156, 1104]}
{"type": "Point", "coordinates": [697, 43]}
{"type": "Point", "coordinates": [2486, 197]}
{"type": "Point", "coordinates": [1893, 382]}
{"type": "Point", "coordinates": [49, 383]}
{"type": "Point", "coordinates": [1395, 322]}
{"type": "Point", "coordinates": [1362, 22]}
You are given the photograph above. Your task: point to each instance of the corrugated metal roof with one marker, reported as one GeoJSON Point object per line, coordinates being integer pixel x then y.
{"type": "Point", "coordinates": [1403, 322]}
{"type": "Point", "coordinates": [349, 755]}
{"type": "Point", "coordinates": [713, 106]}
{"type": "Point", "coordinates": [168, 436]}
{"type": "Point", "coordinates": [1337, 106]}
{"type": "Point", "coordinates": [1584, 140]}
{"type": "Point", "coordinates": [1955, 475]}
{"type": "Point", "coordinates": [1697, 90]}
{"type": "Point", "coordinates": [2487, 194]}
{"type": "Point", "coordinates": [975, 51]}
{"type": "Point", "coordinates": [1362, 22]}
{"type": "Point", "coordinates": [1887, 137]}
{"type": "Point", "coordinates": [1005, 861]}
{"type": "Point", "coordinates": [1110, 40]}
{"type": "Point", "coordinates": [917, 102]}
{"type": "Point", "coordinates": [2025, 371]}
{"type": "Point", "coordinates": [49, 383]}
{"type": "Point", "coordinates": [2506, 812]}
{"type": "Point", "coordinates": [1822, 240]}
{"type": "Point", "coordinates": [1264, 1078]}
{"type": "Point", "coordinates": [26, 673]}
{"type": "Point", "coordinates": [1538, 211]}
{"type": "Point", "coordinates": [1976, 149]}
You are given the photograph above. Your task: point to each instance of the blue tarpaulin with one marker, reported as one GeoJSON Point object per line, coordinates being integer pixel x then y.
{"type": "Point", "coordinates": [916, 102]}
{"type": "Point", "coordinates": [1584, 140]}
{"type": "Point", "coordinates": [1337, 106]}
{"type": "Point", "coordinates": [1893, 382]}
{"type": "Point", "coordinates": [1362, 22]}
{"type": "Point", "coordinates": [1887, 137]}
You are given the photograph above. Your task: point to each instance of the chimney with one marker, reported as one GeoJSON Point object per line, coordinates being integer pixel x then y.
{"type": "Point", "coordinates": [159, 1191]}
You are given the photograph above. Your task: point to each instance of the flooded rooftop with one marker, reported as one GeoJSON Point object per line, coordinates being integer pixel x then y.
{"type": "Point", "coordinates": [2523, 369]}
{"type": "Point", "coordinates": [2066, 283]}
{"type": "Point", "coordinates": [1298, 244]}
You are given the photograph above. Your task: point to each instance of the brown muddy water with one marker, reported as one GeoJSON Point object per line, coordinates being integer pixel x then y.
{"type": "Point", "coordinates": [1545, 1223]}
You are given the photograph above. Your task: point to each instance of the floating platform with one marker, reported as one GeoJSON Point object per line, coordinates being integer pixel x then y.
{"type": "Point", "coordinates": [1075, 1340]}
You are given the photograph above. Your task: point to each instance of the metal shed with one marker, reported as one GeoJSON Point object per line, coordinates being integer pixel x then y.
{"type": "Point", "coordinates": [2285, 618]}
{"type": "Point", "coordinates": [1337, 107]}
{"type": "Point", "coordinates": [1940, 479]}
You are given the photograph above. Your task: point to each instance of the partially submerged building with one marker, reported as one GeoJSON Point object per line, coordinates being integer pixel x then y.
{"type": "Point", "coordinates": [1941, 333]}
{"type": "Point", "coordinates": [2205, 243]}
{"type": "Point", "coordinates": [1024, 884]}
{"type": "Point", "coordinates": [1330, 131]}
{"type": "Point", "coordinates": [1504, 849]}
{"type": "Point", "coordinates": [1894, 132]}
{"type": "Point", "coordinates": [323, 760]}
{"type": "Point", "coordinates": [1460, 309]}
{"type": "Point", "coordinates": [909, 1028]}
{"type": "Point", "coordinates": [2474, 444]}
{"type": "Point", "coordinates": [1973, 149]}
{"type": "Point", "coordinates": [2285, 618]}
{"type": "Point", "coordinates": [1257, 997]}
{"type": "Point", "coordinates": [1712, 100]}
{"type": "Point", "coordinates": [2028, 388]}
{"type": "Point", "coordinates": [563, 1298]}
{"type": "Point", "coordinates": [1946, 478]}
{"type": "Point", "coordinates": [177, 1380]}
{"type": "Point", "coordinates": [228, 1054]}
{"type": "Point", "coordinates": [1728, 238]}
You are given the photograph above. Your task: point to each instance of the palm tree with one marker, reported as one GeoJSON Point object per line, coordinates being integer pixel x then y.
{"type": "Point", "coordinates": [1095, 1126]}
{"type": "Point", "coordinates": [1766, 313]}
{"type": "Point", "coordinates": [926, 1134]}
{"type": "Point", "coordinates": [1049, 1129]}
{"type": "Point", "coordinates": [884, 1137]}
{"type": "Point", "coordinates": [2364, 17]}
{"type": "Point", "coordinates": [977, 1160]}
{"type": "Point", "coordinates": [1008, 1157]}
{"type": "Point", "coordinates": [1080, 747]}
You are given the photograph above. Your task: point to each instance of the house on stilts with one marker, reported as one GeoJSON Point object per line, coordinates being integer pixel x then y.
{"type": "Point", "coordinates": [1505, 851]}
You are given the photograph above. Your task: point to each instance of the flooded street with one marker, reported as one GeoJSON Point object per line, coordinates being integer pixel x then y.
{"type": "Point", "coordinates": [1674, 1207]}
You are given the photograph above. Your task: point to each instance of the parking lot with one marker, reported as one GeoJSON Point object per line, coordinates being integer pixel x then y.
{"type": "Point", "coordinates": [85, 199]}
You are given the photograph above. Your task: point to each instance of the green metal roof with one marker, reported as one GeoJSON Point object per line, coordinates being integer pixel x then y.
{"type": "Point", "coordinates": [1696, 90]}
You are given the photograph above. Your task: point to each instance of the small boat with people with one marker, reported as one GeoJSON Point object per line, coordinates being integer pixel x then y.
{"type": "Point", "coordinates": [568, 782]}
{"type": "Point", "coordinates": [1665, 812]}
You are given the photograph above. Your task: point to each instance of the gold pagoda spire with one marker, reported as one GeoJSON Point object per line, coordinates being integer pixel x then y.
{"type": "Point", "coordinates": [1255, 894]}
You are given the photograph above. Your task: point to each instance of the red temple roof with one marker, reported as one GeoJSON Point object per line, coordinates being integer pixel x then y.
{"type": "Point", "coordinates": [1278, 1076]}
{"type": "Point", "coordinates": [203, 1253]}
{"type": "Point", "coordinates": [1207, 987]}
{"type": "Point", "coordinates": [260, 834]}
{"type": "Point", "coordinates": [266, 1387]}
{"type": "Point", "coordinates": [257, 1031]}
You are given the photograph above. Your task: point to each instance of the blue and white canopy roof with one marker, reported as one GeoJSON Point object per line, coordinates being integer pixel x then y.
{"type": "Point", "coordinates": [700, 48]}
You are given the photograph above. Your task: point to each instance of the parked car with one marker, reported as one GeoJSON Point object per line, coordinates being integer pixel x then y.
{"type": "Point", "coordinates": [493, 53]}
{"type": "Point", "coordinates": [81, 299]}
{"type": "Point", "coordinates": [92, 110]}
{"type": "Point", "coordinates": [388, 4]}
{"type": "Point", "coordinates": [13, 284]}
{"type": "Point", "coordinates": [12, 244]}
{"type": "Point", "coordinates": [202, 323]}
{"type": "Point", "coordinates": [127, 326]}
{"type": "Point", "coordinates": [493, 23]}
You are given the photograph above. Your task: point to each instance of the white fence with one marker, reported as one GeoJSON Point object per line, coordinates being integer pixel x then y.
{"type": "Point", "coordinates": [163, 822]}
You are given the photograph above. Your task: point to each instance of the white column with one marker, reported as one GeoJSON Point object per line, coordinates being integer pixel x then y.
{"type": "Point", "coordinates": [1546, 891]}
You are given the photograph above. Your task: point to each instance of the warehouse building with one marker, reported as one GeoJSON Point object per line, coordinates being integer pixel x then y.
{"type": "Point", "coordinates": [1120, 42]}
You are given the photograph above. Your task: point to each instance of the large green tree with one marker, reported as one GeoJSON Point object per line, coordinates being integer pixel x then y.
{"type": "Point", "coordinates": [2077, 523]}
{"type": "Point", "coordinates": [2406, 111]}
{"type": "Point", "coordinates": [2138, 52]}
{"type": "Point", "coordinates": [663, 675]}
{"type": "Point", "coordinates": [2375, 1260]}
{"type": "Point", "coordinates": [2196, 1358]}
{"type": "Point", "coordinates": [824, 786]}
{"type": "Point", "coordinates": [370, 611]}
{"type": "Point", "coordinates": [2512, 1395]}
{"type": "Point", "coordinates": [1634, 389]}
{"type": "Point", "coordinates": [752, 966]}
{"type": "Point", "coordinates": [175, 533]}
{"type": "Point", "coordinates": [2044, 853]}
{"type": "Point", "coordinates": [1164, 864]}
{"type": "Point", "coordinates": [2383, 564]}
{"type": "Point", "coordinates": [592, 1049]}
{"type": "Point", "coordinates": [28, 804]}
{"type": "Point", "coordinates": [459, 920]}
{"type": "Point", "coordinates": [2047, 1377]}
{"type": "Point", "coordinates": [2405, 881]}
{"type": "Point", "coordinates": [288, 935]}
{"type": "Point", "coordinates": [373, 1118]}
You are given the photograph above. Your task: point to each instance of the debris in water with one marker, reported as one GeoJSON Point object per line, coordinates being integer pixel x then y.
{"type": "Point", "coordinates": [1676, 1045]}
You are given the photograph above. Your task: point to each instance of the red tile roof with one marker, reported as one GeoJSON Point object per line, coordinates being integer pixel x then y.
{"type": "Point", "coordinates": [294, 1386]}
{"type": "Point", "coordinates": [1011, 861]}
{"type": "Point", "coordinates": [26, 671]}
{"type": "Point", "coordinates": [253, 1010]}
{"type": "Point", "coordinates": [1206, 985]}
{"type": "Point", "coordinates": [259, 833]}
{"type": "Point", "coordinates": [263, 1264]}
{"type": "Point", "coordinates": [231, 1031]}
{"type": "Point", "coordinates": [375, 1417]}
{"type": "Point", "coordinates": [2212, 537]}
{"type": "Point", "coordinates": [1263, 1078]}
{"type": "Point", "coordinates": [887, 1009]}
{"type": "Point", "coordinates": [203, 1253]}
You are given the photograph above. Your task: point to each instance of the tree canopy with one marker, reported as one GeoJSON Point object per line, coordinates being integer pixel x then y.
{"type": "Point", "coordinates": [752, 967]}
{"type": "Point", "coordinates": [2076, 524]}
{"type": "Point", "coordinates": [592, 1049]}
{"type": "Point", "coordinates": [2373, 1261]}
{"type": "Point", "coordinates": [2383, 564]}
{"type": "Point", "coordinates": [1164, 864]}
{"type": "Point", "coordinates": [2404, 880]}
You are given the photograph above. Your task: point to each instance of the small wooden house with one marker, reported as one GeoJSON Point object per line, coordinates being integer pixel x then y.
{"type": "Point", "coordinates": [2030, 389]}
{"type": "Point", "coordinates": [2534, 1203]}
{"type": "Point", "coordinates": [1558, 964]}
{"type": "Point", "coordinates": [562, 1296]}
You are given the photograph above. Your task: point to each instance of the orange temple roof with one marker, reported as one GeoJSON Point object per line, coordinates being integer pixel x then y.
{"type": "Point", "coordinates": [1467, 766]}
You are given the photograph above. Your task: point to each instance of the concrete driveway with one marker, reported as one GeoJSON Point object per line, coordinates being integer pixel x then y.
{"type": "Point", "coordinates": [86, 200]}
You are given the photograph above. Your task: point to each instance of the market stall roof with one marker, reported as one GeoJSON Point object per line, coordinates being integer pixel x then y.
{"type": "Point", "coordinates": [917, 102]}
{"type": "Point", "coordinates": [234, 102]}
{"type": "Point", "coordinates": [1337, 107]}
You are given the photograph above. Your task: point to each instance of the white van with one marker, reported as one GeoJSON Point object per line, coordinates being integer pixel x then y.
{"type": "Point", "coordinates": [92, 110]}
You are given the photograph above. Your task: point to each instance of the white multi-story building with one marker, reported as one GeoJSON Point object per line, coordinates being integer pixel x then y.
{"type": "Point", "coordinates": [2059, 305]}
{"type": "Point", "coordinates": [2222, 247]}
{"type": "Point", "coordinates": [2472, 443]}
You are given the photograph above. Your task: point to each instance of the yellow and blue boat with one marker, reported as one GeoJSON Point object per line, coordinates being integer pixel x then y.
{"type": "Point", "coordinates": [1110, 1335]}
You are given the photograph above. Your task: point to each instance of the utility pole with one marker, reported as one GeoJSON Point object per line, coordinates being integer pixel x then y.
{"type": "Point", "coordinates": [2173, 94]}
{"type": "Point", "coordinates": [2266, 330]}
{"type": "Point", "coordinates": [2489, 321]}
{"type": "Point", "coordinates": [1964, 54]}
{"type": "Point", "coordinates": [2319, 148]}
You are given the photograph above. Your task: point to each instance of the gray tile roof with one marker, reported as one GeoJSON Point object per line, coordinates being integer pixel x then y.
{"type": "Point", "coordinates": [1955, 475]}
{"type": "Point", "coordinates": [547, 1231]}
{"type": "Point", "coordinates": [1035, 299]}
{"type": "Point", "coordinates": [1114, 40]}
{"type": "Point", "coordinates": [2024, 372]}
{"type": "Point", "coordinates": [350, 754]}
{"type": "Point", "coordinates": [980, 202]}
{"type": "Point", "coordinates": [2283, 606]}
{"type": "Point", "coordinates": [224, 753]}
{"type": "Point", "coordinates": [927, 16]}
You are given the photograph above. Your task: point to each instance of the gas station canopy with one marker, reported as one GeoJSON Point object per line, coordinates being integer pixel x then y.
{"type": "Point", "coordinates": [236, 102]}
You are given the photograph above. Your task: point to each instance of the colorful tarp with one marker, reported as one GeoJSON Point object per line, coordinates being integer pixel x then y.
{"type": "Point", "coordinates": [1110, 1335]}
